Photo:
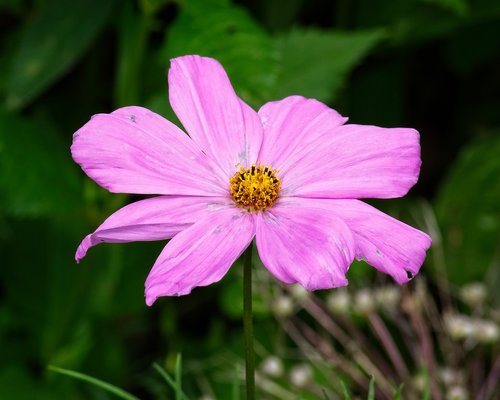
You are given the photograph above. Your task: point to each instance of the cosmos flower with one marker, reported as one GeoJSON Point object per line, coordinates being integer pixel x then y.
{"type": "Point", "coordinates": [288, 175]}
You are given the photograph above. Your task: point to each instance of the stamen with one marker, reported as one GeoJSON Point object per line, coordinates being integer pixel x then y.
{"type": "Point", "coordinates": [256, 188]}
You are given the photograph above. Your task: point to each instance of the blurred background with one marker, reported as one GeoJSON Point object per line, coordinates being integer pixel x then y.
{"type": "Point", "coordinates": [429, 64]}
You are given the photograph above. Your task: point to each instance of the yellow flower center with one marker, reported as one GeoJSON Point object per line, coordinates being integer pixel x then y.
{"type": "Point", "coordinates": [256, 188]}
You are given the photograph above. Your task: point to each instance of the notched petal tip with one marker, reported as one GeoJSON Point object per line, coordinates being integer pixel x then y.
{"type": "Point", "coordinates": [325, 282]}
{"type": "Point", "coordinates": [422, 243]}
{"type": "Point", "coordinates": [150, 299]}
{"type": "Point", "coordinates": [81, 251]}
{"type": "Point", "coordinates": [158, 287]}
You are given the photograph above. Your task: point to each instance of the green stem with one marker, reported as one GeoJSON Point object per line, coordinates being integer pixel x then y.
{"type": "Point", "coordinates": [248, 324]}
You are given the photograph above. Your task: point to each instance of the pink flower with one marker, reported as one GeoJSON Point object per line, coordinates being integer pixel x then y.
{"type": "Point", "coordinates": [287, 175]}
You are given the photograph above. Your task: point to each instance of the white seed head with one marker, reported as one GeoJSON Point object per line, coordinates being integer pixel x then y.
{"type": "Point", "coordinates": [448, 376]}
{"type": "Point", "coordinates": [486, 331]}
{"type": "Point", "coordinates": [283, 306]}
{"type": "Point", "coordinates": [473, 294]}
{"type": "Point", "coordinates": [459, 326]}
{"type": "Point", "coordinates": [272, 366]}
{"type": "Point", "coordinates": [388, 297]}
{"type": "Point", "coordinates": [298, 292]}
{"type": "Point", "coordinates": [364, 301]}
{"type": "Point", "coordinates": [339, 301]}
{"type": "Point", "coordinates": [301, 375]}
{"type": "Point", "coordinates": [418, 382]}
{"type": "Point", "coordinates": [457, 393]}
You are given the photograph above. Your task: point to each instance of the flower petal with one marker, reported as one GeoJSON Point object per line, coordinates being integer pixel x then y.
{"type": "Point", "coordinates": [201, 254]}
{"type": "Point", "coordinates": [389, 245]}
{"type": "Point", "coordinates": [158, 218]}
{"type": "Point", "coordinates": [355, 161]}
{"type": "Point", "coordinates": [224, 126]}
{"type": "Point", "coordinates": [292, 123]}
{"type": "Point", "coordinates": [301, 245]}
{"type": "Point", "coordinates": [134, 150]}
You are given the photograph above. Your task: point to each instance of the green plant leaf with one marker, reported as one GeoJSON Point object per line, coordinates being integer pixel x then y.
{"type": "Point", "coordinates": [178, 378]}
{"type": "Point", "coordinates": [53, 41]}
{"type": "Point", "coordinates": [230, 35]}
{"type": "Point", "coordinates": [345, 391]}
{"type": "Point", "coordinates": [170, 381]}
{"type": "Point", "coordinates": [460, 7]}
{"type": "Point", "coordinates": [17, 383]}
{"type": "Point", "coordinates": [398, 393]}
{"type": "Point", "coordinates": [468, 213]}
{"type": "Point", "coordinates": [133, 35]}
{"type": "Point", "coordinates": [94, 381]}
{"type": "Point", "coordinates": [38, 176]}
{"type": "Point", "coordinates": [371, 389]}
{"type": "Point", "coordinates": [316, 63]}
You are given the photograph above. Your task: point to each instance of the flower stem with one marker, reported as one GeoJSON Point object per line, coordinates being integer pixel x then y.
{"type": "Point", "coordinates": [248, 324]}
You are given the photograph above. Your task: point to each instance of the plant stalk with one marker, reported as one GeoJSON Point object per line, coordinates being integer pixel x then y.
{"type": "Point", "coordinates": [248, 324]}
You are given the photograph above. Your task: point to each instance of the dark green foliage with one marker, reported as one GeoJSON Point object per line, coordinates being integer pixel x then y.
{"type": "Point", "coordinates": [54, 38]}
{"type": "Point", "coordinates": [469, 214]}
{"type": "Point", "coordinates": [429, 64]}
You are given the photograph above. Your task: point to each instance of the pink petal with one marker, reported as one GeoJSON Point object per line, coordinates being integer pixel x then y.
{"type": "Point", "coordinates": [355, 161]}
{"type": "Point", "coordinates": [291, 124]}
{"type": "Point", "coordinates": [384, 242]}
{"type": "Point", "coordinates": [222, 124]}
{"type": "Point", "coordinates": [134, 150]}
{"type": "Point", "coordinates": [303, 245]}
{"type": "Point", "coordinates": [158, 218]}
{"type": "Point", "coordinates": [201, 254]}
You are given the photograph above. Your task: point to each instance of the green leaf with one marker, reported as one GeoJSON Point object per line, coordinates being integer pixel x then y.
{"type": "Point", "coordinates": [398, 393]}
{"type": "Point", "coordinates": [54, 40]}
{"type": "Point", "coordinates": [133, 35]}
{"type": "Point", "coordinates": [94, 381]}
{"type": "Point", "coordinates": [371, 389]}
{"type": "Point", "coordinates": [345, 391]}
{"type": "Point", "coordinates": [316, 63]}
{"type": "Point", "coordinates": [17, 383]}
{"type": "Point", "coordinates": [38, 176]}
{"type": "Point", "coordinates": [426, 395]}
{"type": "Point", "coordinates": [235, 387]}
{"type": "Point", "coordinates": [231, 299]}
{"type": "Point", "coordinates": [227, 33]}
{"type": "Point", "coordinates": [178, 378]}
{"type": "Point", "coordinates": [170, 381]}
{"type": "Point", "coordinates": [460, 7]}
{"type": "Point", "coordinates": [468, 213]}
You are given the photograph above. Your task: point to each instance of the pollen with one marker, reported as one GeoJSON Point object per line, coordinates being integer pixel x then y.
{"type": "Point", "coordinates": [256, 188]}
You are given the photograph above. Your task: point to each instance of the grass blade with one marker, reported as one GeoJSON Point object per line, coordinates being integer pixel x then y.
{"type": "Point", "coordinates": [178, 378]}
{"type": "Point", "coordinates": [371, 390]}
{"type": "Point", "coordinates": [426, 395]}
{"type": "Point", "coordinates": [94, 381]}
{"type": "Point", "coordinates": [236, 383]}
{"type": "Point", "coordinates": [398, 393]}
{"type": "Point", "coordinates": [170, 381]}
{"type": "Point", "coordinates": [347, 396]}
